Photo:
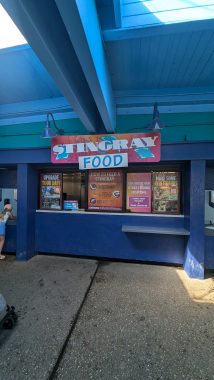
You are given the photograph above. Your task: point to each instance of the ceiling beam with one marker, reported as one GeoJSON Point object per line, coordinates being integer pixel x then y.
{"type": "Point", "coordinates": [149, 31]}
{"type": "Point", "coordinates": [37, 20]}
{"type": "Point", "coordinates": [82, 24]}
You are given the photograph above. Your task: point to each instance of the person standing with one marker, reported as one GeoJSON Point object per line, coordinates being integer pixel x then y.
{"type": "Point", "coordinates": [4, 216]}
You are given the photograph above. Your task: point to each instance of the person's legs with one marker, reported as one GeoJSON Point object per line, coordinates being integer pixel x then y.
{"type": "Point", "coordinates": [2, 239]}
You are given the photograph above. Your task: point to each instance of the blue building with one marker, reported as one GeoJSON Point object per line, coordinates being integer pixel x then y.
{"type": "Point", "coordinates": [98, 72]}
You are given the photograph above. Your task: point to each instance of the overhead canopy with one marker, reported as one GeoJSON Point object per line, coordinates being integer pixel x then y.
{"type": "Point", "coordinates": [94, 60]}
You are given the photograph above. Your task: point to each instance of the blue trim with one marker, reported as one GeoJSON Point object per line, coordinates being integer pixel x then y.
{"type": "Point", "coordinates": [158, 30]}
{"type": "Point", "coordinates": [59, 104]}
{"type": "Point", "coordinates": [176, 94]}
{"type": "Point", "coordinates": [31, 156]}
{"type": "Point", "coordinates": [36, 118]}
{"type": "Point", "coordinates": [35, 111]}
{"type": "Point", "coordinates": [184, 108]}
{"type": "Point", "coordinates": [155, 230]}
{"type": "Point", "coordinates": [176, 100]}
{"type": "Point", "coordinates": [187, 151]}
{"type": "Point", "coordinates": [170, 96]}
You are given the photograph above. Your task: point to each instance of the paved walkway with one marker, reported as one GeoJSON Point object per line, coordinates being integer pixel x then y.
{"type": "Point", "coordinates": [80, 320]}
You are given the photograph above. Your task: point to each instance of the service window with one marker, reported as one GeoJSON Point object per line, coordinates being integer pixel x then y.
{"type": "Point", "coordinates": [138, 192]}
{"type": "Point", "coordinates": [8, 196]}
{"type": "Point", "coordinates": [74, 191]}
{"type": "Point", "coordinates": [166, 192]}
{"type": "Point", "coordinates": [51, 191]}
{"type": "Point", "coordinates": [105, 190]}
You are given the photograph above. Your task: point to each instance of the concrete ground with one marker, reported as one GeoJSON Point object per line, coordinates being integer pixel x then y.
{"type": "Point", "coordinates": [80, 320]}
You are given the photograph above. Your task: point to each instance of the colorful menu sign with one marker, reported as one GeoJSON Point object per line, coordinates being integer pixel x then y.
{"type": "Point", "coordinates": [166, 192]}
{"type": "Point", "coordinates": [51, 191]}
{"type": "Point", "coordinates": [105, 190]}
{"type": "Point", "coordinates": [106, 151]}
{"type": "Point", "coordinates": [138, 193]}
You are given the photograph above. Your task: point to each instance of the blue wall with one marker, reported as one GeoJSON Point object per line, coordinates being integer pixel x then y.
{"type": "Point", "coordinates": [209, 240]}
{"type": "Point", "coordinates": [10, 240]}
{"type": "Point", "coordinates": [101, 236]}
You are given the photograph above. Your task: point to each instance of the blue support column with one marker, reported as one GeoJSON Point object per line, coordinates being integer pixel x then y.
{"type": "Point", "coordinates": [194, 260]}
{"type": "Point", "coordinates": [186, 195]}
{"type": "Point", "coordinates": [27, 181]}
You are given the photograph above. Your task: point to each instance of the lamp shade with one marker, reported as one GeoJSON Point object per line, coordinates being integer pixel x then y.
{"type": "Point", "coordinates": [47, 132]}
{"type": "Point", "coordinates": [156, 124]}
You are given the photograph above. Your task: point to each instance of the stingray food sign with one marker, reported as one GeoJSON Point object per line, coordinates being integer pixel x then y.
{"type": "Point", "coordinates": [106, 151]}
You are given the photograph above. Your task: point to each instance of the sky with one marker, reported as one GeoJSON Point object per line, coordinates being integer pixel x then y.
{"type": "Point", "coordinates": [9, 33]}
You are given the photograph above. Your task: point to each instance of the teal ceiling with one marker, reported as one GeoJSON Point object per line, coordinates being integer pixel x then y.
{"type": "Point", "coordinates": [23, 77]}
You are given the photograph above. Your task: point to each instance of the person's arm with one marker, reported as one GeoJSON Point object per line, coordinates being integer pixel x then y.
{"type": "Point", "coordinates": [10, 215]}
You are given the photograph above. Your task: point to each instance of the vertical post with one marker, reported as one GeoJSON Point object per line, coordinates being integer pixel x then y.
{"type": "Point", "coordinates": [194, 259]}
{"type": "Point", "coordinates": [186, 195]}
{"type": "Point", "coordinates": [27, 181]}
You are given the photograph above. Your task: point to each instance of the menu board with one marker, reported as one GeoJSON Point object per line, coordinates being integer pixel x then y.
{"type": "Point", "coordinates": [138, 192]}
{"type": "Point", "coordinates": [166, 196]}
{"type": "Point", "coordinates": [105, 190]}
{"type": "Point", "coordinates": [51, 191]}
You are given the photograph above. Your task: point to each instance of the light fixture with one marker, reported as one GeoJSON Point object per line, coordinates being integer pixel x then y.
{"type": "Point", "coordinates": [48, 132]}
{"type": "Point", "coordinates": [156, 124]}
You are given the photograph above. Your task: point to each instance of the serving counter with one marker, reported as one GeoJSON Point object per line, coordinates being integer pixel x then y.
{"type": "Point", "coordinates": [101, 234]}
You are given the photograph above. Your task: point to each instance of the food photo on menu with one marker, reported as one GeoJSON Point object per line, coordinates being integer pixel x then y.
{"type": "Point", "coordinates": [50, 190]}
{"type": "Point", "coordinates": [165, 192]}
